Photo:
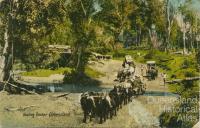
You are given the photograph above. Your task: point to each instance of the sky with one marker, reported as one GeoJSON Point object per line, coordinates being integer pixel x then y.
{"type": "Point", "coordinates": [196, 5]}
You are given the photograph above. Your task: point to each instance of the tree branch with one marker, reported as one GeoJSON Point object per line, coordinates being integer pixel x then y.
{"type": "Point", "coordinates": [20, 108]}
{"type": "Point", "coordinates": [23, 89]}
{"type": "Point", "coordinates": [83, 8]}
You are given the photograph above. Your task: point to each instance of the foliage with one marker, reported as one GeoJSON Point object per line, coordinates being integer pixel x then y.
{"type": "Point", "coordinates": [29, 23]}
{"type": "Point", "coordinates": [162, 59]}
{"type": "Point", "coordinates": [46, 72]}
{"type": "Point", "coordinates": [86, 25]}
{"type": "Point", "coordinates": [70, 77]}
{"type": "Point", "coordinates": [80, 14]}
{"type": "Point", "coordinates": [175, 35]}
{"type": "Point", "coordinates": [102, 26]}
{"type": "Point", "coordinates": [198, 57]}
{"type": "Point", "coordinates": [189, 98]}
{"type": "Point", "coordinates": [93, 73]}
{"type": "Point", "coordinates": [149, 55]}
{"type": "Point", "coordinates": [84, 79]}
{"type": "Point", "coordinates": [185, 65]}
{"type": "Point", "coordinates": [68, 71]}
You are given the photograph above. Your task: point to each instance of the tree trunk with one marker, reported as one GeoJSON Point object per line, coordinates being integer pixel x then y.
{"type": "Point", "coordinates": [184, 45]}
{"type": "Point", "coordinates": [154, 39]}
{"type": "Point", "coordinates": [79, 59]}
{"type": "Point", "coordinates": [170, 22]}
{"type": "Point", "coordinates": [168, 27]}
{"type": "Point", "coordinates": [80, 64]}
{"type": "Point", "coordinates": [139, 37]}
{"type": "Point", "coordinates": [6, 59]}
{"type": "Point", "coordinates": [192, 40]}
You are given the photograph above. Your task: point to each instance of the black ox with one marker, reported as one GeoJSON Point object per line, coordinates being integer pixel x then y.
{"type": "Point", "coordinates": [105, 105]}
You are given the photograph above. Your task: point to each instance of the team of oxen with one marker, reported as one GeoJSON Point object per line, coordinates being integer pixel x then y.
{"type": "Point", "coordinates": [105, 105]}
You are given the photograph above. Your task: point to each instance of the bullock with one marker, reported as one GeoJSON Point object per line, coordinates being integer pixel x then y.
{"type": "Point", "coordinates": [106, 107]}
{"type": "Point", "coordinates": [98, 104]}
{"type": "Point", "coordinates": [88, 106]}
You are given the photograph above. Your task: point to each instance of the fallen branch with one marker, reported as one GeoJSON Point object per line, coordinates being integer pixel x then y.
{"type": "Point", "coordinates": [23, 89]}
{"type": "Point", "coordinates": [62, 95]}
{"type": "Point", "coordinates": [20, 108]}
{"type": "Point", "coordinates": [181, 80]}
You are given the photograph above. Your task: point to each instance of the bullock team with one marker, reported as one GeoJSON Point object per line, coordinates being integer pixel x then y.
{"type": "Point", "coordinates": [106, 104]}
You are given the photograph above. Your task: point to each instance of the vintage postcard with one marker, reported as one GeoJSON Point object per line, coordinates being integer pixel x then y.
{"type": "Point", "coordinates": [99, 63]}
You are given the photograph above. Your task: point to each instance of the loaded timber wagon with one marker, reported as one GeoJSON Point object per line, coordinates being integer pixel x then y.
{"type": "Point", "coordinates": [152, 71]}
{"type": "Point", "coordinates": [128, 69]}
{"type": "Point", "coordinates": [128, 61]}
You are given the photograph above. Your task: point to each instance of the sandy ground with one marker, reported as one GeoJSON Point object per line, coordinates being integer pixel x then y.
{"type": "Point", "coordinates": [56, 78]}
{"type": "Point", "coordinates": [109, 68]}
{"type": "Point", "coordinates": [41, 111]}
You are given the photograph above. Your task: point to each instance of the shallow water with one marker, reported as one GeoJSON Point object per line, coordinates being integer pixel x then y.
{"type": "Point", "coordinates": [70, 88]}
{"type": "Point", "coordinates": [158, 93]}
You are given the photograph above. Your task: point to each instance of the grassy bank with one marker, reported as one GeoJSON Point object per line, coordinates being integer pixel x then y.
{"type": "Point", "coordinates": [47, 72]}
{"type": "Point", "coordinates": [93, 73]}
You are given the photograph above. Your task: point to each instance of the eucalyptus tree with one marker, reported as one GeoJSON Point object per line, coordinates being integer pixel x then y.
{"type": "Point", "coordinates": [134, 16]}
{"type": "Point", "coordinates": [115, 14]}
{"type": "Point", "coordinates": [139, 19]}
{"type": "Point", "coordinates": [25, 22]}
{"type": "Point", "coordinates": [6, 51]}
{"type": "Point", "coordinates": [191, 17]}
{"type": "Point", "coordinates": [81, 13]}
{"type": "Point", "coordinates": [156, 22]}
{"type": "Point", "coordinates": [170, 16]}
{"type": "Point", "coordinates": [188, 25]}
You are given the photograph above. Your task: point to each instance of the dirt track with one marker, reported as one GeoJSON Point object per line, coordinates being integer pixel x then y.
{"type": "Point", "coordinates": [142, 112]}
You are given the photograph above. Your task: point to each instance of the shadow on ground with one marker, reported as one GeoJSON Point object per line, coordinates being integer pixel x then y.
{"type": "Point", "coordinates": [78, 86]}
